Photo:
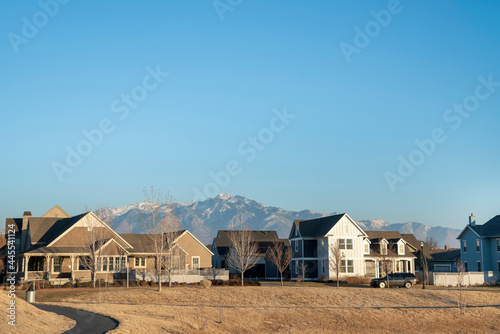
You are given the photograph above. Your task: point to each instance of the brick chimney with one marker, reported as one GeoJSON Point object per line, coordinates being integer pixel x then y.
{"type": "Point", "coordinates": [24, 228]}
{"type": "Point", "coordinates": [446, 247]}
{"type": "Point", "coordinates": [472, 220]}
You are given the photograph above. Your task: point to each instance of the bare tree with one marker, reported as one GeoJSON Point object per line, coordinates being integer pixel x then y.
{"type": "Point", "coordinates": [431, 243]}
{"type": "Point", "coordinates": [335, 259]}
{"type": "Point", "coordinates": [460, 278]}
{"type": "Point", "coordinates": [303, 269]}
{"type": "Point", "coordinates": [163, 228]}
{"type": "Point", "coordinates": [95, 236]}
{"type": "Point", "coordinates": [425, 266]}
{"type": "Point", "coordinates": [280, 255]}
{"type": "Point", "coordinates": [243, 254]}
{"type": "Point", "coordinates": [386, 262]}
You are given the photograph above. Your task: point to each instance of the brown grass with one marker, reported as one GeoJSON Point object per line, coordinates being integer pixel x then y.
{"type": "Point", "coordinates": [29, 319]}
{"type": "Point", "coordinates": [292, 310]}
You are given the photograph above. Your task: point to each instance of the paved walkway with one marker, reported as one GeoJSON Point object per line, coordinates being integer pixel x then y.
{"type": "Point", "coordinates": [86, 322]}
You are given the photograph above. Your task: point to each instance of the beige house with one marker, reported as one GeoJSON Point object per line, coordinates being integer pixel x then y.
{"type": "Point", "coordinates": [57, 246]}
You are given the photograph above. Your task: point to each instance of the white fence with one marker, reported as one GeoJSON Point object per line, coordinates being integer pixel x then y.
{"type": "Point", "coordinates": [450, 279]}
{"type": "Point", "coordinates": [181, 276]}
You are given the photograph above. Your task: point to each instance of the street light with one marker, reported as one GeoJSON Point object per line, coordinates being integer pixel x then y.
{"type": "Point", "coordinates": [422, 259]}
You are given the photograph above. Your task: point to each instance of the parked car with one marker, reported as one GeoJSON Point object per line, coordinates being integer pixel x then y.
{"type": "Point", "coordinates": [395, 279]}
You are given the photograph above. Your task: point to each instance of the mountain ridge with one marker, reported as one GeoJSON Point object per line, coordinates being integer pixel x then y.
{"type": "Point", "coordinates": [205, 218]}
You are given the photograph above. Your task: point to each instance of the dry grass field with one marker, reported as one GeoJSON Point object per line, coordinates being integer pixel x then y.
{"type": "Point", "coordinates": [322, 309]}
{"type": "Point", "coordinates": [29, 319]}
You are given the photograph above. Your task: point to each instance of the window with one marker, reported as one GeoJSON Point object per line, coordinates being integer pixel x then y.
{"type": "Point", "coordinates": [140, 261]}
{"type": "Point", "coordinates": [465, 267]}
{"type": "Point", "coordinates": [478, 247]}
{"type": "Point", "coordinates": [350, 266]}
{"type": "Point", "coordinates": [478, 266]}
{"type": "Point", "coordinates": [117, 263]}
{"type": "Point", "coordinates": [111, 264]}
{"type": "Point", "coordinates": [123, 263]}
{"type": "Point", "coordinates": [296, 266]}
{"type": "Point", "coordinates": [498, 245]}
{"type": "Point", "coordinates": [296, 246]}
{"type": "Point", "coordinates": [401, 249]}
{"type": "Point", "coordinates": [325, 264]}
{"type": "Point", "coordinates": [347, 266]}
{"type": "Point", "coordinates": [195, 262]}
{"type": "Point", "coordinates": [104, 264]}
{"type": "Point", "coordinates": [223, 264]}
{"type": "Point", "coordinates": [366, 248]}
{"type": "Point", "coordinates": [323, 244]}
{"type": "Point", "coordinates": [465, 246]}
{"type": "Point", "coordinates": [345, 243]}
{"type": "Point", "coordinates": [57, 264]}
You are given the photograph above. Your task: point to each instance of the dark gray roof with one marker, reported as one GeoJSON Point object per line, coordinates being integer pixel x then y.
{"type": "Point", "coordinates": [264, 239]}
{"type": "Point", "coordinates": [141, 243]}
{"type": "Point", "coordinates": [318, 227]}
{"type": "Point", "coordinates": [45, 230]}
{"type": "Point", "coordinates": [443, 255]}
{"type": "Point", "coordinates": [393, 236]}
{"type": "Point", "coordinates": [59, 250]}
{"type": "Point", "coordinates": [17, 222]}
{"type": "Point", "coordinates": [489, 229]}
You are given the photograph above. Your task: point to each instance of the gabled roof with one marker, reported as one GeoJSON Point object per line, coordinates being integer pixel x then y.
{"type": "Point", "coordinates": [319, 227]}
{"type": "Point", "coordinates": [17, 222]}
{"type": "Point", "coordinates": [490, 229]}
{"type": "Point", "coordinates": [56, 212]}
{"type": "Point", "coordinates": [46, 230]}
{"type": "Point", "coordinates": [76, 219]}
{"type": "Point", "coordinates": [394, 237]}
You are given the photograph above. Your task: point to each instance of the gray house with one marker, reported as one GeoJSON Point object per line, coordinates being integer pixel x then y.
{"type": "Point", "coordinates": [264, 239]}
{"type": "Point", "coordinates": [480, 247]}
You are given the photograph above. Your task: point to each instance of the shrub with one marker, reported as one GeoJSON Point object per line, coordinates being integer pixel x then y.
{"type": "Point", "coordinates": [300, 278]}
{"type": "Point", "coordinates": [206, 283]}
{"type": "Point", "coordinates": [323, 279]}
{"type": "Point", "coordinates": [143, 283]}
{"type": "Point", "coordinates": [357, 280]}
{"type": "Point", "coordinates": [67, 285]}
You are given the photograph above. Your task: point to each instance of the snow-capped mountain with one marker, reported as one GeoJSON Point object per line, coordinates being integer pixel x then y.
{"type": "Point", "coordinates": [205, 218]}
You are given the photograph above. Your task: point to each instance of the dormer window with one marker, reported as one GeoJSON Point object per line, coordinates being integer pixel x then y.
{"type": "Point", "coordinates": [366, 248]}
{"type": "Point", "coordinates": [401, 249]}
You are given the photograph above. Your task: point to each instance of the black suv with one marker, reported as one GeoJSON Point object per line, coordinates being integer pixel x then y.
{"type": "Point", "coordinates": [395, 279]}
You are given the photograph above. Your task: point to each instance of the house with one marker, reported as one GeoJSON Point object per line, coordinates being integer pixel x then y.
{"type": "Point", "coordinates": [191, 254]}
{"type": "Point", "coordinates": [443, 260]}
{"type": "Point", "coordinates": [264, 239]}
{"type": "Point", "coordinates": [57, 246]}
{"type": "Point", "coordinates": [392, 245]}
{"type": "Point", "coordinates": [480, 247]}
{"type": "Point", "coordinates": [311, 242]}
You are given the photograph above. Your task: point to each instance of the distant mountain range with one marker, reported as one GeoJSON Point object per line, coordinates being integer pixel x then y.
{"type": "Point", "coordinates": [205, 218]}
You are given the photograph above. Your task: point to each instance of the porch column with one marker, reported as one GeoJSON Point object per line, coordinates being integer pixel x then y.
{"type": "Point", "coordinates": [26, 260]}
{"type": "Point", "coordinates": [72, 268]}
{"type": "Point", "coordinates": [47, 265]}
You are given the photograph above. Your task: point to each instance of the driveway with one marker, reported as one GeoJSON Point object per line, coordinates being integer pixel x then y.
{"type": "Point", "coordinates": [86, 322]}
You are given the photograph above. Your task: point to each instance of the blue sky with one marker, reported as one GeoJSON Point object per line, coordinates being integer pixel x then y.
{"type": "Point", "coordinates": [231, 70]}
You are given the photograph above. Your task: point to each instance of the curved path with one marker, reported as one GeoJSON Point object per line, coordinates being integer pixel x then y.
{"type": "Point", "coordinates": [86, 322]}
